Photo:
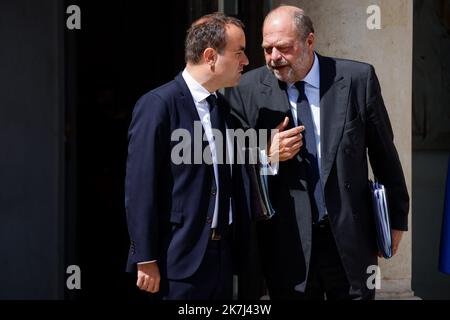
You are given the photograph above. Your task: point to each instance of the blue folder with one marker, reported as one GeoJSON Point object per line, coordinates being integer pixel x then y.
{"type": "Point", "coordinates": [381, 213]}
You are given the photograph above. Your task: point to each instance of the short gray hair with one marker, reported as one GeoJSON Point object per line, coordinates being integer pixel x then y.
{"type": "Point", "coordinates": [304, 25]}
{"type": "Point", "coordinates": [302, 22]}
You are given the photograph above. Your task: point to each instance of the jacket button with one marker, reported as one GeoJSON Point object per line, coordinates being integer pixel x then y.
{"type": "Point", "coordinates": [347, 186]}
{"type": "Point", "coordinates": [213, 191]}
{"type": "Point", "coordinates": [348, 151]}
{"type": "Point", "coordinates": [208, 220]}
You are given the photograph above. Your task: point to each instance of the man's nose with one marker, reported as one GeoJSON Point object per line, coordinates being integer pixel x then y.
{"type": "Point", "coordinates": [276, 55]}
{"type": "Point", "coordinates": [245, 62]}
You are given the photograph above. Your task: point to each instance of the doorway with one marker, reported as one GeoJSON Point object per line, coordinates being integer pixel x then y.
{"type": "Point", "coordinates": [123, 50]}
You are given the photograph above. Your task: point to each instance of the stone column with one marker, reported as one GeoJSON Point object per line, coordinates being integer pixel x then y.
{"type": "Point", "coordinates": [342, 31]}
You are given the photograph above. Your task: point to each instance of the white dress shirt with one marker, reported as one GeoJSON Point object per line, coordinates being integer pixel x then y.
{"type": "Point", "coordinates": [312, 91]}
{"type": "Point", "coordinates": [199, 95]}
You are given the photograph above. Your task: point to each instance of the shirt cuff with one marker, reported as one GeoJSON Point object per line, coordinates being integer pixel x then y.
{"type": "Point", "coordinates": [146, 262]}
{"type": "Point", "coordinates": [267, 169]}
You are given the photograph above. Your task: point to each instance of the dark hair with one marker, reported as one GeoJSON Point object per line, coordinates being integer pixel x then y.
{"type": "Point", "coordinates": [208, 32]}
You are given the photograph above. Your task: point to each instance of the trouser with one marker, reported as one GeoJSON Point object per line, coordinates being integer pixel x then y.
{"type": "Point", "coordinates": [212, 281]}
{"type": "Point", "coordinates": [327, 278]}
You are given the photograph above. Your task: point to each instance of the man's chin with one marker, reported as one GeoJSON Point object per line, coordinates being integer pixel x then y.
{"type": "Point", "coordinates": [233, 83]}
{"type": "Point", "coordinates": [282, 76]}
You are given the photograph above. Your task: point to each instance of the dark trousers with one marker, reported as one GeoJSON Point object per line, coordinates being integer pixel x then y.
{"type": "Point", "coordinates": [212, 281]}
{"type": "Point", "coordinates": [327, 278]}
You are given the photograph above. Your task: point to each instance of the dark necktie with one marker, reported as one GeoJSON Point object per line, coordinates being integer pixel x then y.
{"type": "Point", "coordinates": [309, 152]}
{"type": "Point", "coordinates": [223, 169]}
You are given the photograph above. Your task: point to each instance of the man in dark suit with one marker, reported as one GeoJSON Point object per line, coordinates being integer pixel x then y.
{"type": "Point", "coordinates": [182, 202]}
{"type": "Point", "coordinates": [330, 114]}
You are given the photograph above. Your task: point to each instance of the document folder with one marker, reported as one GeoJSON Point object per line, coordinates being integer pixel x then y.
{"type": "Point", "coordinates": [261, 206]}
{"type": "Point", "coordinates": [381, 213]}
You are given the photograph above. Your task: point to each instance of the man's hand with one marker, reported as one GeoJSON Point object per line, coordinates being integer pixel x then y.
{"type": "Point", "coordinates": [285, 145]}
{"type": "Point", "coordinates": [148, 277]}
{"type": "Point", "coordinates": [396, 238]}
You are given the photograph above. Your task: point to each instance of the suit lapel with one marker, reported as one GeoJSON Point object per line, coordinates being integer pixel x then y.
{"type": "Point", "coordinates": [185, 99]}
{"type": "Point", "coordinates": [188, 109]}
{"type": "Point", "coordinates": [226, 109]}
{"type": "Point", "coordinates": [274, 92]}
{"type": "Point", "coordinates": [334, 97]}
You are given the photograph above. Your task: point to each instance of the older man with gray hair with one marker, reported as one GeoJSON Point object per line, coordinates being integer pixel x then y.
{"type": "Point", "coordinates": [322, 240]}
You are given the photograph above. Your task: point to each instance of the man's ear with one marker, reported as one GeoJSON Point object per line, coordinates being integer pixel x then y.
{"type": "Point", "coordinates": [310, 40]}
{"type": "Point", "coordinates": [210, 56]}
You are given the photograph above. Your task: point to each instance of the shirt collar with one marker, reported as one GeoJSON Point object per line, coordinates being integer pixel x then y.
{"type": "Point", "coordinates": [313, 77]}
{"type": "Point", "coordinates": [198, 92]}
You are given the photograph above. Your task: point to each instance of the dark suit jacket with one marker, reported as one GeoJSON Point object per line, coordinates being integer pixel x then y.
{"type": "Point", "coordinates": [354, 123]}
{"type": "Point", "coordinates": [170, 207]}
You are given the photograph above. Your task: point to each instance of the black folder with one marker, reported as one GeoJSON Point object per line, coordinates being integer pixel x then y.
{"type": "Point", "coordinates": [261, 206]}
